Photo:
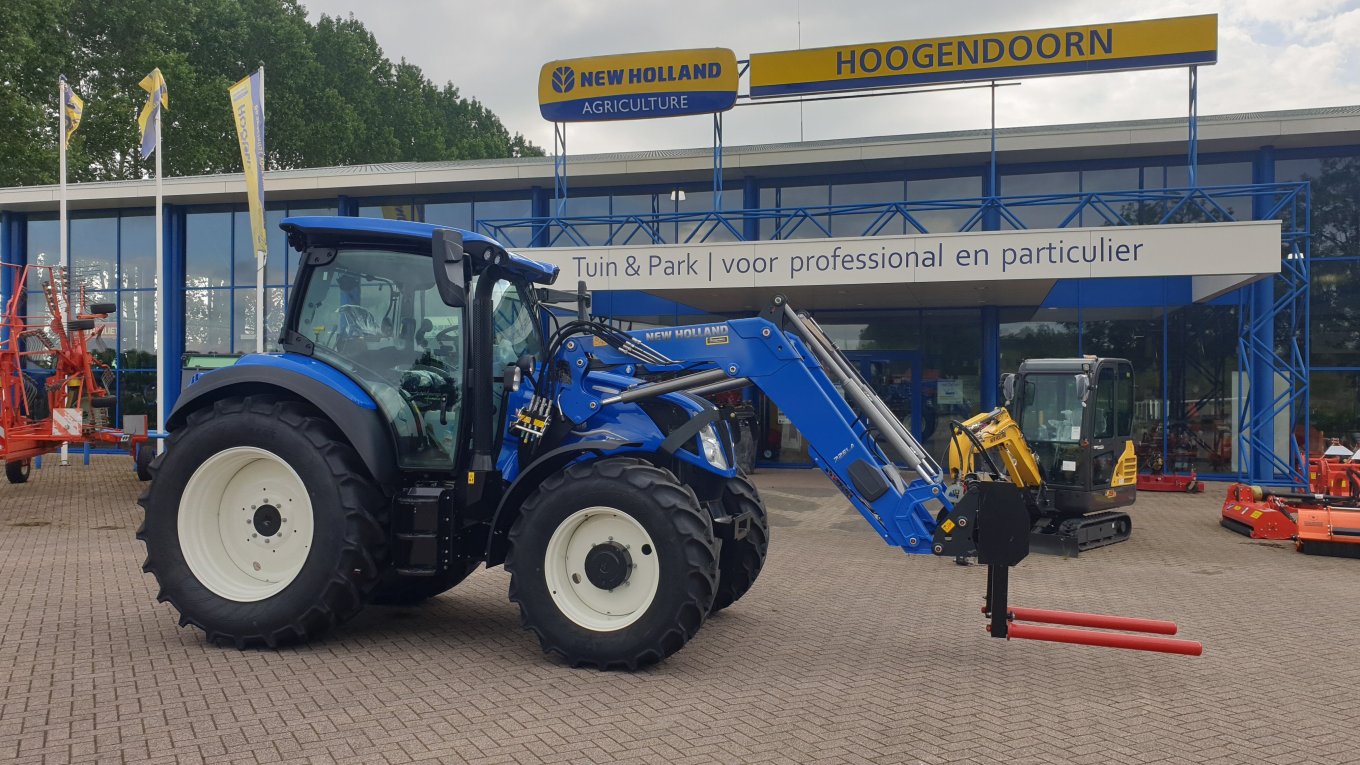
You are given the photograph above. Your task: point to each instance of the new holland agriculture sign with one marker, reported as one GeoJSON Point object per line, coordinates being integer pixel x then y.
{"type": "Point", "coordinates": [1157, 43]}
{"type": "Point", "coordinates": [638, 85]}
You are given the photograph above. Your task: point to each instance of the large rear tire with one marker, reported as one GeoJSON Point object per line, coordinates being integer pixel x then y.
{"type": "Point", "coordinates": [741, 560]}
{"type": "Point", "coordinates": [613, 564]}
{"type": "Point", "coordinates": [258, 526]}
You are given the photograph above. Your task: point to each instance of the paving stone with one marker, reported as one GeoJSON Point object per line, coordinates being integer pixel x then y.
{"type": "Point", "coordinates": [845, 651]}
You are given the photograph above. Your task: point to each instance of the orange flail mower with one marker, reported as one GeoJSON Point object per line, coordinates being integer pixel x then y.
{"type": "Point", "coordinates": [72, 406]}
{"type": "Point", "coordinates": [1317, 523]}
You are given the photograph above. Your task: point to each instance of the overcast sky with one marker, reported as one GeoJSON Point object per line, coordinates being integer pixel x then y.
{"type": "Point", "coordinates": [1273, 54]}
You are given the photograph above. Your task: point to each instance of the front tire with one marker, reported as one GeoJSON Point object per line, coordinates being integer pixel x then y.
{"type": "Point", "coordinates": [257, 523]}
{"type": "Point", "coordinates": [613, 564]}
{"type": "Point", "coordinates": [742, 559]}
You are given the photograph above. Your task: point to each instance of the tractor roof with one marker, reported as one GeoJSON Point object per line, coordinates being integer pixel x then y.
{"type": "Point", "coordinates": [377, 228]}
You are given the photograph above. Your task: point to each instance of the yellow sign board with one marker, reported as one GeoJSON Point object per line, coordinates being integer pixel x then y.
{"type": "Point", "coordinates": [1151, 44]}
{"type": "Point", "coordinates": [634, 86]}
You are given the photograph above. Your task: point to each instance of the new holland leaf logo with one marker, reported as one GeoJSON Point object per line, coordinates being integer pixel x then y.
{"type": "Point", "coordinates": [563, 79]}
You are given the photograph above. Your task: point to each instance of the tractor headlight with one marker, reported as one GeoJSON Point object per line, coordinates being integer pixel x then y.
{"type": "Point", "coordinates": [713, 451]}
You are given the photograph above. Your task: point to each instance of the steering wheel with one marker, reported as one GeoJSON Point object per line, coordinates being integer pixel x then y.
{"type": "Point", "coordinates": [442, 338]}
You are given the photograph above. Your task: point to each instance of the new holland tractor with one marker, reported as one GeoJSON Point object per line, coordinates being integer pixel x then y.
{"type": "Point", "coordinates": [428, 414]}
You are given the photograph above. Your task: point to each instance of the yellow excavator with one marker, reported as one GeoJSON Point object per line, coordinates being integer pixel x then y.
{"type": "Point", "coordinates": [1065, 438]}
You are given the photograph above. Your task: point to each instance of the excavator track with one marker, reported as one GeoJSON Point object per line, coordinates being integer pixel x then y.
{"type": "Point", "coordinates": [1076, 535]}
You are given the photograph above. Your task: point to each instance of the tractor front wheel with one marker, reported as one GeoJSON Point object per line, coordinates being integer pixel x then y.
{"type": "Point", "coordinates": [613, 564]}
{"type": "Point", "coordinates": [741, 560]}
{"type": "Point", "coordinates": [257, 523]}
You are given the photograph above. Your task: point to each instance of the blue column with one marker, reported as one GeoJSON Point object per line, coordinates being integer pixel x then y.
{"type": "Point", "coordinates": [540, 206]}
{"type": "Point", "coordinates": [173, 290]}
{"type": "Point", "coordinates": [989, 369]}
{"type": "Point", "coordinates": [10, 252]}
{"type": "Point", "coordinates": [346, 206]}
{"type": "Point", "coordinates": [1261, 421]}
{"type": "Point", "coordinates": [750, 200]}
{"type": "Point", "coordinates": [991, 185]}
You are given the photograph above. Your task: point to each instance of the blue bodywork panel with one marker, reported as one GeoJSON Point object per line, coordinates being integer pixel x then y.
{"type": "Point", "coordinates": [310, 367]}
{"type": "Point", "coordinates": [526, 268]}
{"type": "Point", "coordinates": [904, 515]}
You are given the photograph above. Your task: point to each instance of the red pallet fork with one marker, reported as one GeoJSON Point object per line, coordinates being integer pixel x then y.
{"type": "Point", "coordinates": [1006, 544]}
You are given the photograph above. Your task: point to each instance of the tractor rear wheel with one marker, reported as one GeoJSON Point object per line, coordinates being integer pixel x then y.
{"type": "Point", "coordinates": [409, 590]}
{"type": "Point", "coordinates": [613, 564]}
{"type": "Point", "coordinates": [257, 523]}
{"type": "Point", "coordinates": [740, 561]}
{"type": "Point", "coordinates": [18, 470]}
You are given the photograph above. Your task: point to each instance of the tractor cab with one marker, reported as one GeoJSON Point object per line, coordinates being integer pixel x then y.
{"type": "Point", "coordinates": [1077, 415]}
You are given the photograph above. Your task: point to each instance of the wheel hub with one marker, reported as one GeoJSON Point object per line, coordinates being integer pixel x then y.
{"type": "Point", "coordinates": [267, 520]}
{"type": "Point", "coordinates": [608, 565]}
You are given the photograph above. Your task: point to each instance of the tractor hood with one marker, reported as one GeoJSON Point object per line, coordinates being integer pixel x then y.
{"type": "Point", "coordinates": [303, 229]}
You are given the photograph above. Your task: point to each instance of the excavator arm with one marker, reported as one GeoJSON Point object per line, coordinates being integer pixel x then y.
{"type": "Point", "coordinates": [996, 433]}
{"type": "Point", "coordinates": [852, 436]}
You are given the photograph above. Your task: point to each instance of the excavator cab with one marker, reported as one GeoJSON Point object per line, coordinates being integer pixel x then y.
{"type": "Point", "coordinates": [1077, 415]}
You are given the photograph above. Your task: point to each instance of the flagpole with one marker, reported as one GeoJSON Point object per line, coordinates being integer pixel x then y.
{"type": "Point", "coordinates": [160, 290]}
{"type": "Point", "coordinates": [63, 257]}
{"type": "Point", "coordinates": [260, 257]}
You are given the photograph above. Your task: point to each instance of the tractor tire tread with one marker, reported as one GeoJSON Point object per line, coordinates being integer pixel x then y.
{"type": "Point", "coordinates": [740, 562]}
{"type": "Point", "coordinates": [689, 519]}
{"type": "Point", "coordinates": [346, 591]}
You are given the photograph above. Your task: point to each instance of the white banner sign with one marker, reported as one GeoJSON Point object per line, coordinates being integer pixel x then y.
{"type": "Point", "coordinates": [1177, 250]}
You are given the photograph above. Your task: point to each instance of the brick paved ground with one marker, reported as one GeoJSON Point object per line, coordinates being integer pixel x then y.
{"type": "Point", "coordinates": [845, 651]}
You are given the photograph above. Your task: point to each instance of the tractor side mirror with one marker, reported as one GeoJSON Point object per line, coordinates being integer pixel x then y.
{"type": "Point", "coordinates": [1008, 388]}
{"type": "Point", "coordinates": [1083, 388]}
{"type": "Point", "coordinates": [448, 267]}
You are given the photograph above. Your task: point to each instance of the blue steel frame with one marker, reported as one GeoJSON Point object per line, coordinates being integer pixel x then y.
{"type": "Point", "coordinates": [745, 224]}
{"type": "Point", "coordinates": [1289, 202]}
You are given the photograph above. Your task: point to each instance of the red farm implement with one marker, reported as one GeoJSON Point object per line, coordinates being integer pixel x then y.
{"type": "Point", "coordinates": [52, 388]}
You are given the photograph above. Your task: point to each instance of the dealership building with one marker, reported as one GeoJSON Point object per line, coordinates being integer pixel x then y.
{"type": "Point", "coordinates": [849, 230]}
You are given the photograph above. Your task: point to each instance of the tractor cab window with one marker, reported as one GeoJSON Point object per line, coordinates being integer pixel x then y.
{"type": "Point", "coordinates": [377, 316]}
{"type": "Point", "coordinates": [515, 333]}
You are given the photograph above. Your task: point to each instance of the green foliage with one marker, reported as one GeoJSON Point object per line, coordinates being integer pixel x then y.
{"type": "Point", "coordinates": [332, 97]}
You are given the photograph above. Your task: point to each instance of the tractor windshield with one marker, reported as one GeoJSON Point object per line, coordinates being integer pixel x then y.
{"type": "Point", "coordinates": [376, 315]}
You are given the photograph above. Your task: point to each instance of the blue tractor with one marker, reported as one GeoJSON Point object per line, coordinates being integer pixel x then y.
{"type": "Point", "coordinates": [429, 414]}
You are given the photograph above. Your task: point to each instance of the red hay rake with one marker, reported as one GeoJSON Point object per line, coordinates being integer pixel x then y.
{"type": "Point", "coordinates": [73, 405]}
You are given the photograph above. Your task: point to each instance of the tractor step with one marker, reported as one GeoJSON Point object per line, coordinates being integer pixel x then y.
{"type": "Point", "coordinates": [415, 531]}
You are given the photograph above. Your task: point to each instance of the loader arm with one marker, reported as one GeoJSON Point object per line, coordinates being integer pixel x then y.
{"type": "Point", "coordinates": [855, 440]}
{"type": "Point", "coordinates": [852, 435]}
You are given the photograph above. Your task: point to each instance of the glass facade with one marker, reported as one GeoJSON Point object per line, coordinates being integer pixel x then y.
{"type": "Point", "coordinates": [928, 364]}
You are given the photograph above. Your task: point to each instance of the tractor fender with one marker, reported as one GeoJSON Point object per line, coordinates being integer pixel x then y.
{"type": "Point", "coordinates": [337, 397]}
{"type": "Point", "coordinates": [529, 479]}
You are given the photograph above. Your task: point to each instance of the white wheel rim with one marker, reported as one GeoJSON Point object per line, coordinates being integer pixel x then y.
{"type": "Point", "coordinates": [245, 524]}
{"type": "Point", "coordinates": [572, 591]}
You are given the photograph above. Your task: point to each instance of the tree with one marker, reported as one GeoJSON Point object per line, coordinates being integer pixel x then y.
{"type": "Point", "coordinates": [333, 97]}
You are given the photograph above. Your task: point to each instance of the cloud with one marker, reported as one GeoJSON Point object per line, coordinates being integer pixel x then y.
{"type": "Point", "coordinates": [1272, 55]}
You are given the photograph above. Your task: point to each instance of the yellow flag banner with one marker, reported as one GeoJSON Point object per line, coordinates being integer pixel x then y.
{"type": "Point", "coordinates": [247, 110]}
{"type": "Point", "coordinates": [157, 98]}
